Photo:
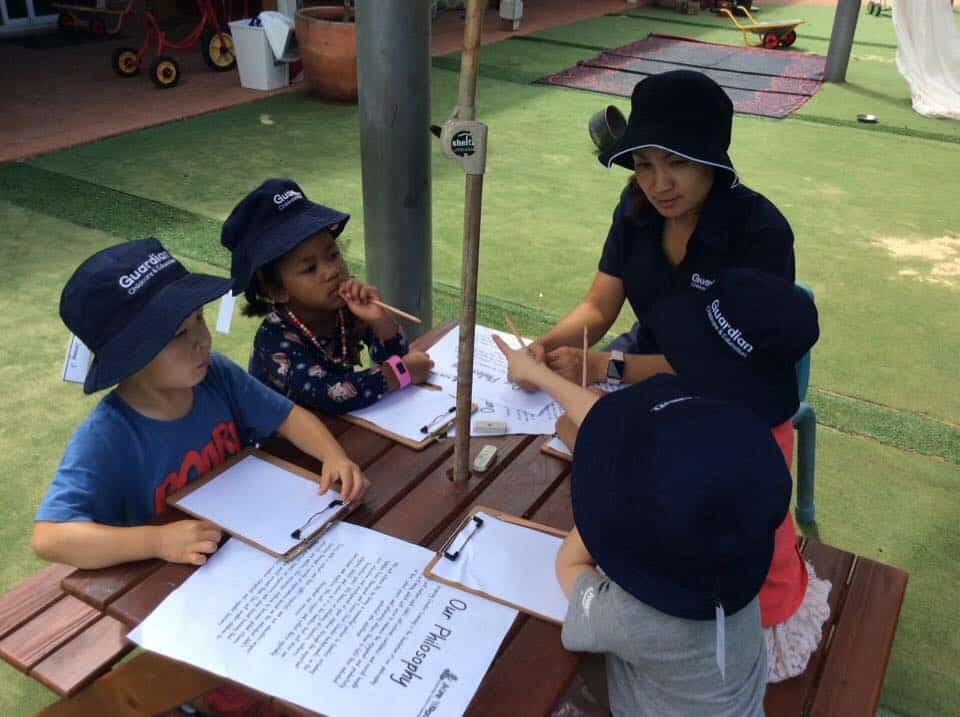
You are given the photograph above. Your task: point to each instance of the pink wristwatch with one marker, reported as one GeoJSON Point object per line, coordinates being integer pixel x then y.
{"type": "Point", "coordinates": [400, 371]}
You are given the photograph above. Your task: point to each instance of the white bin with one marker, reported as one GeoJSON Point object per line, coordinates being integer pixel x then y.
{"type": "Point", "coordinates": [255, 61]}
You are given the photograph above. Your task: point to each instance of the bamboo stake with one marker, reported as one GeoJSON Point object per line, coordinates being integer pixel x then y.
{"type": "Point", "coordinates": [469, 64]}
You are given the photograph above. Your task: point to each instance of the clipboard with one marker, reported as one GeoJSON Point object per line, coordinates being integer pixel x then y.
{"type": "Point", "coordinates": [549, 450]}
{"type": "Point", "coordinates": [304, 544]}
{"type": "Point", "coordinates": [444, 553]}
{"type": "Point", "coordinates": [435, 432]}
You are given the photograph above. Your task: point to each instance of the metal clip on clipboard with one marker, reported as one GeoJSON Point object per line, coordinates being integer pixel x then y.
{"type": "Point", "coordinates": [462, 537]}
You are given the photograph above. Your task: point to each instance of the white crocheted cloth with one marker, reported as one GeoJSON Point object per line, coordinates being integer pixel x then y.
{"type": "Point", "coordinates": [790, 644]}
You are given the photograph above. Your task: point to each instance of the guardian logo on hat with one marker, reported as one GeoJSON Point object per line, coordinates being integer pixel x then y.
{"type": "Point", "coordinates": [126, 303]}
{"type": "Point", "coordinates": [732, 335]}
{"type": "Point", "coordinates": [273, 219]}
{"type": "Point", "coordinates": [739, 340]}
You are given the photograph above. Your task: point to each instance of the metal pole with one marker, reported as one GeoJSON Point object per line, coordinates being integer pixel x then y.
{"type": "Point", "coordinates": [469, 64]}
{"type": "Point", "coordinates": [393, 68]}
{"type": "Point", "coordinates": [841, 40]}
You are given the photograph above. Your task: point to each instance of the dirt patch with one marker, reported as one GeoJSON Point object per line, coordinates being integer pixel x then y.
{"type": "Point", "coordinates": [936, 261]}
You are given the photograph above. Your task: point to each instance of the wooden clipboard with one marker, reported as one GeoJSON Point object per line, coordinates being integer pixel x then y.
{"type": "Point", "coordinates": [506, 517]}
{"type": "Point", "coordinates": [433, 436]}
{"type": "Point", "coordinates": [548, 450]}
{"type": "Point", "coordinates": [304, 544]}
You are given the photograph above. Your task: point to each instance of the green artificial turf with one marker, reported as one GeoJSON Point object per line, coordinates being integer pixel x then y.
{"type": "Point", "coordinates": [872, 208]}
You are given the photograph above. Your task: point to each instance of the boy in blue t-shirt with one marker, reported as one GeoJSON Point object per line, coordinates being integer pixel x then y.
{"type": "Point", "coordinates": [177, 412]}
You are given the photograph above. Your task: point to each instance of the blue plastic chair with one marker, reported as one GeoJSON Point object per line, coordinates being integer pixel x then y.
{"type": "Point", "coordinates": [805, 421]}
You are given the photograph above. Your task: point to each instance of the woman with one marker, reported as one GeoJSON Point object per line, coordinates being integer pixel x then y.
{"type": "Point", "coordinates": [683, 218]}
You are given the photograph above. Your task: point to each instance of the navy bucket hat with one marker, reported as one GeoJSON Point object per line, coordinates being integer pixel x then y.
{"type": "Point", "coordinates": [126, 303]}
{"type": "Point", "coordinates": [678, 497]}
{"type": "Point", "coordinates": [273, 219]}
{"type": "Point", "coordinates": [683, 112]}
{"type": "Point", "coordinates": [739, 340]}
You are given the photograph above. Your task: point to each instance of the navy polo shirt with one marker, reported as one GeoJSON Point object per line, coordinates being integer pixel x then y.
{"type": "Point", "coordinates": [738, 228]}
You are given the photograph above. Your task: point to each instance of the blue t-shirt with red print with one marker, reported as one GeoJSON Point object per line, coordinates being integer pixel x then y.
{"type": "Point", "coordinates": [120, 466]}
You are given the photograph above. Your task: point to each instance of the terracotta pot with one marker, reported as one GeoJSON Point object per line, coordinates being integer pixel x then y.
{"type": "Point", "coordinates": [328, 48]}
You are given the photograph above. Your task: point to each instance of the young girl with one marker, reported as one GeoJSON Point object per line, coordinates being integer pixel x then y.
{"type": "Point", "coordinates": [316, 317]}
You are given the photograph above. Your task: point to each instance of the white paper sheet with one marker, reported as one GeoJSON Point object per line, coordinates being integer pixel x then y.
{"type": "Point", "coordinates": [509, 562]}
{"type": "Point", "coordinates": [518, 421]}
{"type": "Point", "coordinates": [225, 315]}
{"type": "Point", "coordinates": [489, 370]}
{"type": "Point", "coordinates": [262, 502]}
{"type": "Point", "coordinates": [351, 628]}
{"type": "Point", "coordinates": [559, 446]}
{"type": "Point", "coordinates": [406, 412]}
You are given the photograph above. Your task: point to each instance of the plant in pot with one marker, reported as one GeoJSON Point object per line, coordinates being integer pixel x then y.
{"type": "Point", "coordinates": [327, 38]}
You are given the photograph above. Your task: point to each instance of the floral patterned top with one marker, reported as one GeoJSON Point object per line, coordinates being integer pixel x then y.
{"type": "Point", "coordinates": [320, 378]}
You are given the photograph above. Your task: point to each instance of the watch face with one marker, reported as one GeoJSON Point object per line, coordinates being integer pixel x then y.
{"type": "Point", "coordinates": [615, 370]}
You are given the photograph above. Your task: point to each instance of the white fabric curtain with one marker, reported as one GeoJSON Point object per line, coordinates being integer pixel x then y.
{"type": "Point", "coordinates": [928, 55]}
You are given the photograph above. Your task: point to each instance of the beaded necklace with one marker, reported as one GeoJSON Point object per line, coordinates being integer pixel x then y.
{"type": "Point", "coordinates": [343, 358]}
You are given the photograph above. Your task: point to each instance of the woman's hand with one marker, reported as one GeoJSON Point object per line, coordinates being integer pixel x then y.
{"type": "Point", "coordinates": [187, 541]}
{"type": "Point", "coordinates": [359, 298]}
{"type": "Point", "coordinates": [522, 367]}
{"type": "Point", "coordinates": [353, 484]}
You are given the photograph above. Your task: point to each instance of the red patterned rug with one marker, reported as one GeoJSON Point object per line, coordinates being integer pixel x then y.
{"type": "Point", "coordinates": [771, 83]}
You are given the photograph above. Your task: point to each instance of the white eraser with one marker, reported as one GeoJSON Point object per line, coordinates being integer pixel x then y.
{"type": "Point", "coordinates": [489, 427]}
{"type": "Point", "coordinates": [485, 458]}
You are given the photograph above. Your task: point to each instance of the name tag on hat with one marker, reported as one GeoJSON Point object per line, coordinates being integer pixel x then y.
{"type": "Point", "coordinates": [77, 362]}
{"type": "Point", "coordinates": [227, 303]}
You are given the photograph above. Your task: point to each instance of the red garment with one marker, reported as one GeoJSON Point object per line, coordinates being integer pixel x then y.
{"type": "Point", "coordinates": [786, 583]}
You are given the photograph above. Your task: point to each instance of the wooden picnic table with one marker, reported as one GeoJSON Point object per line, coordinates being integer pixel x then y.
{"type": "Point", "coordinates": [66, 628]}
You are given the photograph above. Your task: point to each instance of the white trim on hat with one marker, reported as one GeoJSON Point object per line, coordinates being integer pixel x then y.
{"type": "Point", "coordinates": [736, 177]}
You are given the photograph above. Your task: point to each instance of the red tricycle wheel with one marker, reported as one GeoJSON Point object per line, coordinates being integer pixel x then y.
{"type": "Point", "coordinates": [771, 41]}
{"type": "Point", "coordinates": [125, 61]}
{"type": "Point", "coordinates": [165, 72]}
{"type": "Point", "coordinates": [218, 51]}
{"type": "Point", "coordinates": [789, 37]}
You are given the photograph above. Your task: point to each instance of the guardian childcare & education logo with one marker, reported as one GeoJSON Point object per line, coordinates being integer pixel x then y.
{"type": "Point", "coordinates": [726, 331]}
{"type": "Point", "coordinates": [701, 282]}
{"type": "Point", "coordinates": [285, 199]}
{"type": "Point", "coordinates": [136, 279]}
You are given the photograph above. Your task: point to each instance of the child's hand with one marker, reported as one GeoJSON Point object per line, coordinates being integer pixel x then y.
{"type": "Point", "coordinates": [521, 366]}
{"type": "Point", "coordinates": [419, 365]}
{"type": "Point", "coordinates": [188, 541]}
{"type": "Point", "coordinates": [359, 298]}
{"type": "Point", "coordinates": [353, 484]}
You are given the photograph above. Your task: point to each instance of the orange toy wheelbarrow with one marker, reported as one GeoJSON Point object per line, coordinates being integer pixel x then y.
{"type": "Point", "coordinates": [100, 21]}
{"type": "Point", "coordinates": [772, 34]}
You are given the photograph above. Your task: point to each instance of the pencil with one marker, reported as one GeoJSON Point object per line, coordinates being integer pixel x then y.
{"type": "Point", "coordinates": [516, 333]}
{"type": "Point", "coordinates": [397, 312]}
{"type": "Point", "coordinates": [583, 366]}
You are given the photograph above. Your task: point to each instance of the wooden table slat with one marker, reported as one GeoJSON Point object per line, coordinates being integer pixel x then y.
{"type": "Point", "coordinates": [394, 475]}
{"type": "Point", "coordinates": [31, 597]}
{"type": "Point", "coordinates": [85, 658]}
{"type": "Point", "coordinates": [101, 587]}
{"type": "Point", "coordinates": [523, 486]}
{"type": "Point", "coordinates": [862, 642]}
{"type": "Point", "coordinates": [436, 501]}
{"type": "Point", "coordinates": [26, 646]}
{"type": "Point", "coordinates": [146, 685]}
{"type": "Point", "coordinates": [532, 673]}
{"type": "Point", "coordinates": [133, 606]}
{"type": "Point", "coordinates": [792, 697]}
